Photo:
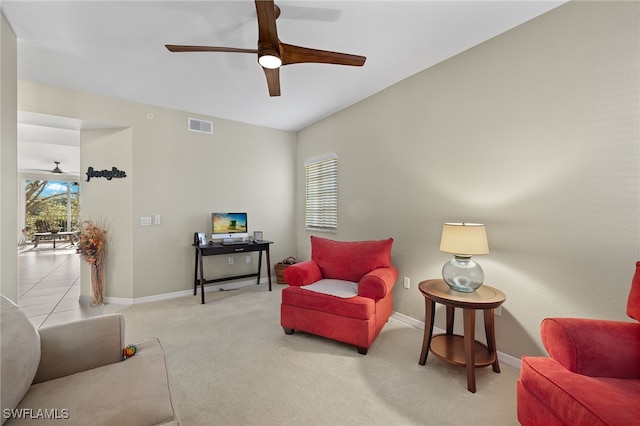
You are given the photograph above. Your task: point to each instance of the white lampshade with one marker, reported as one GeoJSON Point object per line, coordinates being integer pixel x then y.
{"type": "Point", "coordinates": [464, 239]}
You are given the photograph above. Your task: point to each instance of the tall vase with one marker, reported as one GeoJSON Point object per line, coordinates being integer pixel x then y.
{"type": "Point", "coordinates": [97, 284]}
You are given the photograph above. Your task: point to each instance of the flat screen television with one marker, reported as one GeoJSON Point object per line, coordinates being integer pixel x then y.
{"type": "Point", "coordinates": [229, 225]}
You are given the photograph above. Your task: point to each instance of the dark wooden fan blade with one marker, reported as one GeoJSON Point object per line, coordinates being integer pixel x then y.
{"type": "Point", "coordinates": [295, 55]}
{"type": "Point", "coordinates": [267, 32]}
{"type": "Point", "coordinates": [273, 80]}
{"type": "Point", "coordinates": [180, 48]}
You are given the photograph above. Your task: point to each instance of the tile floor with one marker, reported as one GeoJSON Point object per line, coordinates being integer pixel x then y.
{"type": "Point", "coordinates": [49, 286]}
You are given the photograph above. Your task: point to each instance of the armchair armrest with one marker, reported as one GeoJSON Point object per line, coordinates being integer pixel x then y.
{"type": "Point", "coordinates": [596, 348]}
{"type": "Point", "coordinates": [80, 345]}
{"type": "Point", "coordinates": [303, 273]}
{"type": "Point", "coordinates": [378, 283]}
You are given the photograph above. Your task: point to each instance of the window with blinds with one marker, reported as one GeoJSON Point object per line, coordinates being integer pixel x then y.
{"type": "Point", "coordinates": [321, 194]}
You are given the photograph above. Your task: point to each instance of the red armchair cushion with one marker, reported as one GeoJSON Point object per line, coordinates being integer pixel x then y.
{"type": "Point", "coordinates": [350, 261]}
{"type": "Point", "coordinates": [593, 375]}
{"type": "Point", "coordinates": [573, 398]}
{"type": "Point", "coordinates": [597, 348]}
{"type": "Point", "coordinates": [353, 307]}
{"type": "Point", "coordinates": [633, 302]}
{"type": "Point", "coordinates": [303, 273]}
{"type": "Point", "coordinates": [378, 283]}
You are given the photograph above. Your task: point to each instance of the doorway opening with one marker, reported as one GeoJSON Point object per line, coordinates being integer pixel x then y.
{"type": "Point", "coordinates": [51, 206]}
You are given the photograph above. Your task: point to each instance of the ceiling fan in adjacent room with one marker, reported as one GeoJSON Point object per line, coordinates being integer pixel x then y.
{"type": "Point", "coordinates": [272, 54]}
{"type": "Point", "coordinates": [57, 170]}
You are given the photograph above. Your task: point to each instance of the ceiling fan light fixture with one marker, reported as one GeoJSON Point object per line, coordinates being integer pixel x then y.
{"type": "Point", "coordinates": [270, 59]}
{"type": "Point", "coordinates": [271, 53]}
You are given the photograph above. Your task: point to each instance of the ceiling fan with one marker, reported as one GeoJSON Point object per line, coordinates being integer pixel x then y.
{"type": "Point", "coordinates": [272, 54]}
{"type": "Point", "coordinates": [57, 170]}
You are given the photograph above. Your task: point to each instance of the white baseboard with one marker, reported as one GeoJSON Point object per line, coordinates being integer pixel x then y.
{"type": "Point", "coordinates": [502, 357]}
{"type": "Point", "coordinates": [165, 296]}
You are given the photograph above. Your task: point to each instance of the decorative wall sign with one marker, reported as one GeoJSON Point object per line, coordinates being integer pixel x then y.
{"type": "Point", "coordinates": [114, 173]}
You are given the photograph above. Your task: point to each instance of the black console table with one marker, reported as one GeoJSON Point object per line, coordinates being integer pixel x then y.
{"type": "Point", "coordinates": [218, 248]}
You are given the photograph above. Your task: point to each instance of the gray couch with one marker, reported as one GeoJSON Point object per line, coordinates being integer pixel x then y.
{"type": "Point", "coordinates": [74, 374]}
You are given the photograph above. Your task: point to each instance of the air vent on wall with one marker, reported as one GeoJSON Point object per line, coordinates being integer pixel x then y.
{"type": "Point", "coordinates": [200, 126]}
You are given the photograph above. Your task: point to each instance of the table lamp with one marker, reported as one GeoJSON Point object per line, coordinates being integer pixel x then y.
{"type": "Point", "coordinates": [463, 240]}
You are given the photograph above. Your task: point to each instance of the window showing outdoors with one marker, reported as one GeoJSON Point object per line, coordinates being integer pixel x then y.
{"type": "Point", "coordinates": [321, 194]}
{"type": "Point", "coordinates": [51, 206]}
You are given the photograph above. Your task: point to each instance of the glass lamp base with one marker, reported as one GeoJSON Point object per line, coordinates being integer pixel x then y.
{"type": "Point", "coordinates": [462, 274]}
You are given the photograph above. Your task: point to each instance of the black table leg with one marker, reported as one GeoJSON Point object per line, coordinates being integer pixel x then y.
{"type": "Point", "coordinates": [216, 249]}
{"type": "Point", "coordinates": [201, 276]}
{"type": "Point", "coordinates": [195, 275]}
{"type": "Point", "coordinates": [269, 268]}
{"type": "Point", "coordinates": [259, 265]}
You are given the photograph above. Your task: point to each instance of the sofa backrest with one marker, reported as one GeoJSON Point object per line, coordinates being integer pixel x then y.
{"type": "Point", "coordinates": [633, 302]}
{"type": "Point", "coordinates": [350, 261]}
{"type": "Point", "coordinates": [19, 354]}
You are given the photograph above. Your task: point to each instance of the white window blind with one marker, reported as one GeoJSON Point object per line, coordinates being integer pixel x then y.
{"type": "Point", "coordinates": [321, 194]}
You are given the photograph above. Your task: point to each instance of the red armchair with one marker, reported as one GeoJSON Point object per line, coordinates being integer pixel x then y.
{"type": "Point", "coordinates": [356, 320]}
{"type": "Point", "coordinates": [593, 375]}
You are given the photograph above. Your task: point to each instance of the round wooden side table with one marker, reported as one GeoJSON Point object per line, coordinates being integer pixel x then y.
{"type": "Point", "coordinates": [455, 349]}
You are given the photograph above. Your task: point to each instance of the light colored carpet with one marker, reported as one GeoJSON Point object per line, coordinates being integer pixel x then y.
{"type": "Point", "coordinates": [232, 364]}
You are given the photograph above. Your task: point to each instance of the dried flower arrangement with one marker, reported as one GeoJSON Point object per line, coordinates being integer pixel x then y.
{"type": "Point", "coordinates": [92, 248]}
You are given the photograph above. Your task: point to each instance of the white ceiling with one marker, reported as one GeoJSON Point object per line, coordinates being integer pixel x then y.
{"type": "Point", "coordinates": [116, 48]}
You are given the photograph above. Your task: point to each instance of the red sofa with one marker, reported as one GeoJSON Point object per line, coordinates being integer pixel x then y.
{"type": "Point", "coordinates": [592, 376]}
{"type": "Point", "coordinates": [355, 320]}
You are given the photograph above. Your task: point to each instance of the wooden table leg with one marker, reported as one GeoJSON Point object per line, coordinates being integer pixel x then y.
{"type": "Point", "coordinates": [430, 310]}
{"type": "Point", "coordinates": [489, 330]}
{"type": "Point", "coordinates": [451, 314]}
{"type": "Point", "coordinates": [469, 343]}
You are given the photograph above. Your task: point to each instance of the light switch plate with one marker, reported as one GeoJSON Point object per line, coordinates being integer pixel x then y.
{"type": "Point", "coordinates": [145, 221]}
{"type": "Point", "coordinates": [406, 282]}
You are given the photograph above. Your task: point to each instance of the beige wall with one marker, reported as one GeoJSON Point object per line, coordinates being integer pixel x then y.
{"type": "Point", "coordinates": [184, 176]}
{"type": "Point", "coordinates": [180, 175]}
{"type": "Point", "coordinates": [8, 160]}
{"type": "Point", "coordinates": [534, 133]}
{"type": "Point", "coordinates": [110, 204]}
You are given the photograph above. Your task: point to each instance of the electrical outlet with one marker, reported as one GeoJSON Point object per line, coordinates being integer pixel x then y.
{"type": "Point", "coordinates": [230, 260]}
{"type": "Point", "coordinates": [247, 259]}
{"type": "Point", "coordinates": [498, 311]}
{"type": "Point", "coordinates": [406, 282]}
